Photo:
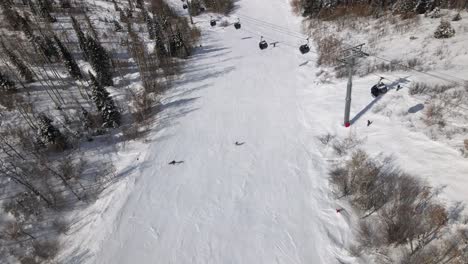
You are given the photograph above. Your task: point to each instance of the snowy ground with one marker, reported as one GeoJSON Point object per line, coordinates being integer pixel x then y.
{"type": "Point", "coordinates": [267, 201]}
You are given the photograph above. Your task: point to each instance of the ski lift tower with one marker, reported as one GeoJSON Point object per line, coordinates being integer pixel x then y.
{"type": "Point", "coordinates": [349, 58]}
{"type": "Point", "coordinates": [189, 10]}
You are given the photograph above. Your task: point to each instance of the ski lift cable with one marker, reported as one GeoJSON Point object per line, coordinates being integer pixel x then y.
{"type": "Point", "coordinates": [273, 29]}
{"type": "Point", "coordinates": [276, 28]}
{"type": "Point", "coordinates": [387, 60]}
{"type": "Point", "coordinates": [285, 32]}
{"type": "Point", "coordinates": [423, 72]}
{"type": "Point", "coordinates": [294, 45]}
{"type": "Point", "coordinates": [396, 80]}
{"type": "Point", "coordinates": [269, 38]}
{"type": "Point", "coordinates": [268, 24]}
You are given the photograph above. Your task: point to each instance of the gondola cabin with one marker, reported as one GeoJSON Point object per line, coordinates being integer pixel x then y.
{"type": "Point", "coordinates": [263, 45]}
{"type": "Point", "coordinates": [304, 49]}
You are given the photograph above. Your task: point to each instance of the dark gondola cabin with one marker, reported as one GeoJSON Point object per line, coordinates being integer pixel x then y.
{"type": "Point", "coordinates": [185, 6]}
{"type": "Point", "coordinates": [263, 44]}
{"type": "Point", "coordinates": [237, 25]}
{"type": "Point", "coordinates": [304, 49]}
{"type": "Point", "coordinates": [213, 22]}
{"type": "Point", "coordinates": [379, 89]}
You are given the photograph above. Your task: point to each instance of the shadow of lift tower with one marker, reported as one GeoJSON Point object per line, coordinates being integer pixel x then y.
{"type": "Point", "coordinates": [349, 58]}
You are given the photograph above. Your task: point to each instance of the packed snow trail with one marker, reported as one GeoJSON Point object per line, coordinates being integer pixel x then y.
{"type": "Point", "coordinates": [266, 201]}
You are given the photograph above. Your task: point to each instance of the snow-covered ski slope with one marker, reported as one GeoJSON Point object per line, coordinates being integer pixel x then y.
{"type": "Point", "coordinates": [268, 200]}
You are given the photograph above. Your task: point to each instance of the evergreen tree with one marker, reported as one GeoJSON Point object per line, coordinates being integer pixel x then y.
{"type": "Point", "coordinates": [100, 61]}
{"type": "Point", "coordinates": [160, 48]}
{"type": "Point", "coordinates": [45, 7]}
{"type": "Point", "coordinates": [140, 4]}
{"type": "Point", "coordinates": [69, 61]}
{"type": "Point", "coordinates": [6, 84]}
{"type": "Point", "coordinates": [104, 104]}
{"type": "Point", "coordinates": [65, 3]}
{"type": "Point", "coordinates": [116, 7]}
{"type": "Point", "coordinates": [91, 27]}
{"type": "Point", "coordinates": [117, 26]}
{"type": "Point", "coordinates": [47, 46]}
{"type": "Point", "coordinates": [25, 26]}
{"type": "Point", "coordinates": [23, 70]}
{"type": "Point", "coordinates": [81, 38]}
{"type": "Point", "coordinates": [48, 133]}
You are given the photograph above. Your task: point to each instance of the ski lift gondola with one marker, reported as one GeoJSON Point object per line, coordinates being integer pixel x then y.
{"type": "Point", "coordinates": [213, 22]}
{"type": "Point", "coordinates": [379, 89]}
{"type": "Point", "coordinates": [237, 25]}
{"type": "Point", "coordinates": [305, 47]}
{"type": "Point", "coordinates": [185, 6]}
{"type": "Point", "coordinates": [263, 44]}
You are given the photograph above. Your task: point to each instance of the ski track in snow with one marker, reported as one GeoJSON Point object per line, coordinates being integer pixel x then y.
{"type": "Point", "coordinates": [267, 201]}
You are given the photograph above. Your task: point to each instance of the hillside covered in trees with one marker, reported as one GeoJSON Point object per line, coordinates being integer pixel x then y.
{"type": "Point", "coordinates": [77, 79]}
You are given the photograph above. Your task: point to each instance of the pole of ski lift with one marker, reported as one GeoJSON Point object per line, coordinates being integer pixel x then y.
{"type": "Point", "coordinates": [348, 92]}
{"type": "Point", "coordinates": [351, 55]}
{"type": "Point", "coordinates": [189, 5]}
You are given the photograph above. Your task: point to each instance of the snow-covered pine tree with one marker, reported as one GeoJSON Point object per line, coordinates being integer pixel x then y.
{"type": "Point", "coordinates": [116, 6]}
{"type": "Point", "coordinates": [48, 133]}
{"type": "Point", "coordinates": [100, 61]}
{"type": "Point", "coordinates": [68, 59]}
{"type": "Point", "coordinates": [406, 6]}
{"type": "Point", "coordinates": [91, 27]}
{"type": "Point", "coordinates": [104, 104]}
{"type": "Point", "coordinates": [23, 70]}
{"type": "Point", "coordinates": [25, 26]}
{"type": "Point", "coordinates": [444, 30]}
{"type": "Point", "coordinates": [117, 26]}
{"type": "Point", "coordinates": [110, 115]}
{"type": "Point", "coordinates": [140, 4]}
{"type": "Point", "coordinates": [129, 13]}
{"type": "Point", "coordinates": [99, 93]}
{"type": "Point", "coordinates": [81, 37]}
{"type": "Point", "coordinates": [45, 7]}
{"type": "Point", "coordinates": [6, 84]}
{"type": "Point", "coordinates": [160, 48]}
{"type": "Point", "coordinates": [65, 3]}
{"type": "Point", "coordinates": [47, 47]}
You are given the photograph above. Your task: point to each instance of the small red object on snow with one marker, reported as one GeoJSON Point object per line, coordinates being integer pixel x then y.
{"type": "Point", "coordinates": [347, 124]}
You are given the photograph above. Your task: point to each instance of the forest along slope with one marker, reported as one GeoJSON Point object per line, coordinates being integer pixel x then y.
{"type": "Point", "coordinates": [266, 201]}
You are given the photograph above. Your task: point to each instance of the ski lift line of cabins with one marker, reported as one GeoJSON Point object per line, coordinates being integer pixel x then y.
{"type": "Point", "coordinates": [280, 30]}
{"type": "Point", "coordinates": [263, 44]}
{"type": "Point", "coordinates": [272, 26]}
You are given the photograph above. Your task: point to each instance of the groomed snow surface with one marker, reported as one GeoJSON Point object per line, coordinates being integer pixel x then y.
{"type": "Point", "coordinates": [268, 200]}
